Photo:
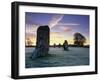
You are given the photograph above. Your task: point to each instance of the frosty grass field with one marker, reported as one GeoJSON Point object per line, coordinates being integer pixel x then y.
{"type": "Point", "coordinates": [76, 56]}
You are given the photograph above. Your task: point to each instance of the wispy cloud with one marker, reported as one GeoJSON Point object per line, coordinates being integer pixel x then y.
{"type": "Point", "coordinates": [55, 20]}
{"type": "Point", "coordinates": [68, 24]}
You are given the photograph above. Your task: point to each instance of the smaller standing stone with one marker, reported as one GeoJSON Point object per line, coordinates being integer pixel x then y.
{"type": "Point", "coordinates": [65, 45]}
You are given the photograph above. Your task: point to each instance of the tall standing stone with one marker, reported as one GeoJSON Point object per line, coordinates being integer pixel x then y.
{"type": "Point", "coordinates": [42, 42]}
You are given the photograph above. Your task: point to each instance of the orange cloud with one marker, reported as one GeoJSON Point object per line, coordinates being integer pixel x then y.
{"type": "Point", "coordinates": [67, 30]}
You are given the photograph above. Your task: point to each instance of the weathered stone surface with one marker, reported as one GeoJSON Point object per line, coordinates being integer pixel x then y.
{"type": "Point", "coordinates": [42, 42]}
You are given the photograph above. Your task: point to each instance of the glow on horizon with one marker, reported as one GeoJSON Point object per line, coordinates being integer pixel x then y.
{"type": "Point", "coordinates": [55, 39]}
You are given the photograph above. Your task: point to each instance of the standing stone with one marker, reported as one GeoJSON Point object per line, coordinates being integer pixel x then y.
{"type": "Point", "coordinates": [65, 45]}
{"type": "Point", "coordinates": [42, 42]}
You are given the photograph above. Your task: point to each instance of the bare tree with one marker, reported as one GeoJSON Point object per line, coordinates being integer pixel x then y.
{"type": "Point", "coordinates": [79, 39]}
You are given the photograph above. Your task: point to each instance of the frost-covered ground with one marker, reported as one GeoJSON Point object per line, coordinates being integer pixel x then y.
{"type": "Point", "coordinates": [58, 57]}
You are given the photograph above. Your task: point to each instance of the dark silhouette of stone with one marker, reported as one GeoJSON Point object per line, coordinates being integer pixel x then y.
{"type": "Point", "coordinates": [54, 45]}
{"type": "Point", "coordinates": [59, 45]}
{"type": "Point", "coordinates": [42, 42]}
{"type": "Point", "coordinates": [65, 45]}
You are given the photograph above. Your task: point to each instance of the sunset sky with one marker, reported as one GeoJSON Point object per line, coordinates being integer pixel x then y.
{"type": "Point", "coordinates": [62, 26]}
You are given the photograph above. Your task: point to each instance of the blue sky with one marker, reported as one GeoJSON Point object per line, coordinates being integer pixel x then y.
{"type": "Point", "coordinates": [62, 26]}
